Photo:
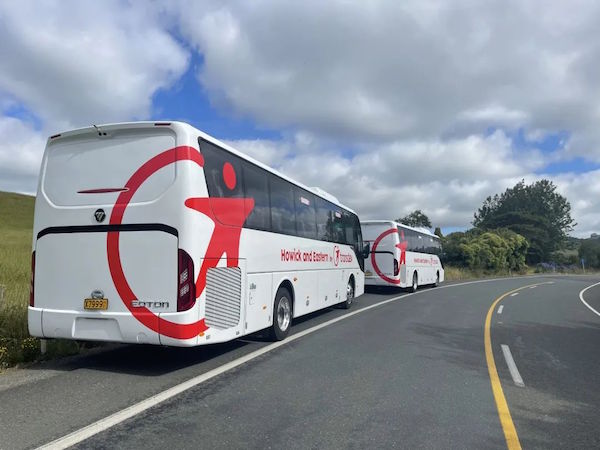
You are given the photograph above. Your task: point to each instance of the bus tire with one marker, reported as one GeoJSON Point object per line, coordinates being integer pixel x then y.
{"type": "Point", "coordinates": [347, 303]}
{"type": "Point", "coordinates": [282, 315]}
{"type": "Point", "coordinates": [415, 282]}
{"type": "Point", "coordinates": [437, 279]}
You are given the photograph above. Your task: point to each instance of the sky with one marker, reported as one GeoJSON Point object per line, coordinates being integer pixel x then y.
{"type": "Point", "coordinates": [390, 106]}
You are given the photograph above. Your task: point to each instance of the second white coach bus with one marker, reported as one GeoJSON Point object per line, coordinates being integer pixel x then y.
{"type": "Point", "coordinates": [157, 233]}
{"type": "Point", "coordinates": [401, 256]}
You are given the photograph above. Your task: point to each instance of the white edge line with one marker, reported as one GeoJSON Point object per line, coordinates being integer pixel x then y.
{"type": "Point", "coordinates": [586, 303]}
{"type": "Point", "coordinates": [500, 308]}
{"type": "Point", "coordinates": [133, 410]}
{"type": "Point", "coordinates": [514, 295]}
{"type": "Point", "coordinates": [512, 367]}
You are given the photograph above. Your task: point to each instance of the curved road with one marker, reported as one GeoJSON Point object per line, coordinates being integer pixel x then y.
{"type": "Point", "coordinates": [398, 371]}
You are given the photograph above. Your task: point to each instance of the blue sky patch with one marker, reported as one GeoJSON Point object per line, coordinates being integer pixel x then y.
{"type": "Point", "coordinates": [187, 101]}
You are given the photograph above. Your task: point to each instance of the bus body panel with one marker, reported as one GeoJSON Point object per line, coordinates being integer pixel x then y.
{"type": "Point", "coordinates": [72, 267]}
{"type": "Point", "coordinates": [154, 177]}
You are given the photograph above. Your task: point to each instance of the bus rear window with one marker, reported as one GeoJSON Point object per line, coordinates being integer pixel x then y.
{"type": "Point", "coordinates": [90, 170]}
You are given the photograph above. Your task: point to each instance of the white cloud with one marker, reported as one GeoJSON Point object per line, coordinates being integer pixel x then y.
{"type": "Point", "coordinates": [584, 192]}
{"type": "Point", "coordinates": [447, 180]}
{"type": "Point", "coordinates": [75, 63]}
{"type": "Point", "coordinates": [387, 105]}
{"type": "Point", "coordinates": [404, 70]}
{"type": "Point", "coordinates": [71, 64]}
{"type": "Point", "coordinates": [21, 151]}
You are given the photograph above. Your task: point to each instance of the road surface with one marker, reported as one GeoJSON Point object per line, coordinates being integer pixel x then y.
{"type": "Point", "coordinates": [397, 371]}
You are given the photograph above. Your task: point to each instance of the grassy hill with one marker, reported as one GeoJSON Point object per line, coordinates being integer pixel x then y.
{"type": "Point", "coordinates": [16, 223]}
{"type": "Point", "coordinates": [16, 211]}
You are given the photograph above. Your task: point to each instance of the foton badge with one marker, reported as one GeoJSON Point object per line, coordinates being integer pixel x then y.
{"type": "Point", "coordinates": [99, 215]}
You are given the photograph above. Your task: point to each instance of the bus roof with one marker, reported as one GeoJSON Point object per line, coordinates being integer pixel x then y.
{"type": "Point", "coordinates": [393, 223]}
{"type": "Point", "coordinates": [183, 126]}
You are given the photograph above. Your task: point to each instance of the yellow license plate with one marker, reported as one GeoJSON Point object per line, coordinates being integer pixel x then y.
{"type": "Point", "coordinates": [95, 303]}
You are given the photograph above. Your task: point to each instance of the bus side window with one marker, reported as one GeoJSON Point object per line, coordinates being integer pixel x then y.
{"type": "Point", "coordinates": [338, 225]}
{"type": "Point", "coordinates": [306, 214]}
{"type": "Point", "coordinates": [324, 220]}
{"type": "Point", "coordinates": [256, 187]}
{"type": "Point", "coordinates": [222, 171]}
{"type": "Point", "coordinates": [283, 215]}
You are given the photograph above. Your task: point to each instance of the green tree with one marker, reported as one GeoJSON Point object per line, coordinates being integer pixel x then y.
{"type": "Point", "coordinates": [415, 219]}
{"type": "Point", "coordinates": [438, 232]}
{"type": "Point", "coordinates": [590, 252]}
{"type": "Point", "coordinates": [535, 211]}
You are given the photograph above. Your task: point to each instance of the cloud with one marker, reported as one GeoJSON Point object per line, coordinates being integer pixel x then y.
{"type": "Point", "coordinates": [76, 63]}
{"type": "Point", "coordinates": [21, 149]}
{"type": "Point", "coordinates": [385, 71]}
{"type": "Point", "coordinates": [447, 180]}
{"type": "Point", "coordinates": [69, 64]}
{"type": "Point", "coordinates": [390, 106]}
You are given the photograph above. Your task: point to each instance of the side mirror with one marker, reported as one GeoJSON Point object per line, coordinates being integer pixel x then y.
{"type": "Point", "coordinates": [366, 250]}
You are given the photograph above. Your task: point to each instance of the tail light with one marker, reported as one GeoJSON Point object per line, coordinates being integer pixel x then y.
{"type": "Point", "coordinates": [396, 267]}
{"type": "Point", "coordinates": [32, 280]}
{"type": "Point", "coordinates": [186, 287]}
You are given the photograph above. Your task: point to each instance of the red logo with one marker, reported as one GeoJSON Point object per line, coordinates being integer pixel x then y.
{"type": "Point", "coordinates": [224, 240]}
{"type": "Point", "coordinates": [401, 246]}
{"type": "Point", "coordinates": [336, 255]}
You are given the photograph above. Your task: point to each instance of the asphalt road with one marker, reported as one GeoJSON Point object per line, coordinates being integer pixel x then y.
{"type": "Point", "coordinates": [411, 373]}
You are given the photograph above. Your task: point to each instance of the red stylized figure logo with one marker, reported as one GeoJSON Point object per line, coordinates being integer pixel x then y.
{"type": "Point", "coordinates": [402, 246]}
{"type": "Point", "coordinates": [229, 215]}
{"type": "Point", "coordinates": [336, 255]}
{"type": "Point", "coordinates": [224, 240]}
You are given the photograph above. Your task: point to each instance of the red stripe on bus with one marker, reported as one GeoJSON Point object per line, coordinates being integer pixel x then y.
{"type": "Point", "coordinates": [144, 315]}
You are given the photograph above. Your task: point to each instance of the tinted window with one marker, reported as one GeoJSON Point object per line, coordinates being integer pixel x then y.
{"type": "Point", "coordinates": [256, 187]}
{"type": "Point", "coordinates": [324, 220]}
{"type": "Point", "coordinates": [222, 171]}
{"type": "Point", "coordinates": [354, 234]}
{"type": "Point", "coordinates": [306, 214]}
{"type": "Point", "coordinates": [338, 231]}
{"type": "Point", "coordinates": [283, 216]}
{"type": "Point", "coordinates": [349, 234]}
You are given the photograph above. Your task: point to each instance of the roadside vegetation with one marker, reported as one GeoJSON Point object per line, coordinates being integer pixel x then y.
{"type": "Point", "coordinates": [522, 230]}
{"type": "Point", "coordinates": [16, 223]}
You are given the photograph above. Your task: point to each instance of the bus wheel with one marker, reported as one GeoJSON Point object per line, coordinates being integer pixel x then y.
{"type": "Point", "coordinates": [346, 304]}
{"type": "Point", "coordinates": [415, 283]}
{"type": "Point", "coordinates": [437, 279]}
{"type": "Point", "coordinates": [282, 315]}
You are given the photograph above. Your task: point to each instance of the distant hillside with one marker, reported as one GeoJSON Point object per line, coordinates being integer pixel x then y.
{"type": "Point", "coordinates": [16, 211]}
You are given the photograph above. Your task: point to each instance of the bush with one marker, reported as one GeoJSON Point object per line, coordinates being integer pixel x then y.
{"type": "Point", "coordinates": [4, 357]}
{"type": "Point", "coordinates": [30, 349]}
{"type": "Point", "coordinates": [486, 251]}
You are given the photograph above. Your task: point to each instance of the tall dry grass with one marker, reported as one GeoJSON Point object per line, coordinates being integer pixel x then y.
{"type": "Point", "coordinates": [16, 223]}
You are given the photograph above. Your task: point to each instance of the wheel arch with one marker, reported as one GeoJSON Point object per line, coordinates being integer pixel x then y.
{"type": "Point", "coordinates": [287, 284]}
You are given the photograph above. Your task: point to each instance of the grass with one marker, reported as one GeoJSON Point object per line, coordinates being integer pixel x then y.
{"type": "Point", "coordinates": [16, 235]}
{"type": "Point", "coordinates": [452, 273]}
{"type": "Point", "coordinates": [16, 224]}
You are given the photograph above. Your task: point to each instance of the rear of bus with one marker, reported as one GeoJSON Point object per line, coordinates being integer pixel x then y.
{"type": "Point", "coordinates": [383, 266]}
{"type": "Point", "coordinates": [111, 245]}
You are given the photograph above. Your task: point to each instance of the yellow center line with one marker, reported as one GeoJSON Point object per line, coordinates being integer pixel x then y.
{"type": "Point", "coordinates": [510, 432]}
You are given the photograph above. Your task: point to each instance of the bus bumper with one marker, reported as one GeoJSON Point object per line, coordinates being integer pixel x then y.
{"type": "Point", "coordinates": [97, 326]}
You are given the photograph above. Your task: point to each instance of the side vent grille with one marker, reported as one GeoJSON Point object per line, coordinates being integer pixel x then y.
{"type": "Point", "coordinates": [223, 297]}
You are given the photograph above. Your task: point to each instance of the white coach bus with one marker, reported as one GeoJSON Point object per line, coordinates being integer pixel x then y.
{"type": "Point", "coordinates": [401, 256]}
{"type": "Point", "coordinates": [157, 233]}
